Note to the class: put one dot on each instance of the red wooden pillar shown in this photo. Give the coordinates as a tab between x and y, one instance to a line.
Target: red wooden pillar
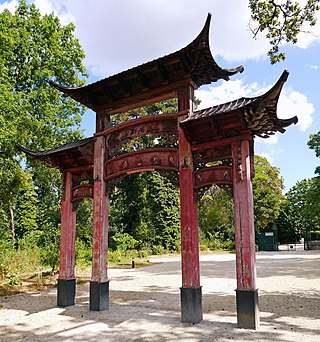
99	284
191	294
246	293
66	280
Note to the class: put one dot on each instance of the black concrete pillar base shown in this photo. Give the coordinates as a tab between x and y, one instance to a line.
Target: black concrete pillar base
191	305
99	296
66	292
248	309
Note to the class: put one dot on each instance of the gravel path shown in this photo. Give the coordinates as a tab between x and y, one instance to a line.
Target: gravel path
145	305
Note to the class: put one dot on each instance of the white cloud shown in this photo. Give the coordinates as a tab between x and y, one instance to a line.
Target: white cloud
291	103
117	35
226	91
9	5
314	67
268	156
272	140
309	34
47	7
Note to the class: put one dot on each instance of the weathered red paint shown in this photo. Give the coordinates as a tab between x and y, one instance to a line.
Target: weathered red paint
80	192
155	124
213	175
244	218
188	205
102	121
100	216
67	231
149	159
223	142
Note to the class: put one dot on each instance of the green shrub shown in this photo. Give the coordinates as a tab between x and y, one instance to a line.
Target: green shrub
157	250
13	279
20	259
83	254
124	241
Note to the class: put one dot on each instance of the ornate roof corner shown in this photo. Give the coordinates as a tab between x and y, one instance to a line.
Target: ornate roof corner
202	40
274	92
62	88
62	155
259	113
268	103
201	44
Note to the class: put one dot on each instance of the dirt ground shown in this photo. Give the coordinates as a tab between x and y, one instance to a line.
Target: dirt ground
145	304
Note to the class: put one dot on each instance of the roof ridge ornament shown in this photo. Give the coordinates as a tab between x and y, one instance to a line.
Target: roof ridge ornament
203	38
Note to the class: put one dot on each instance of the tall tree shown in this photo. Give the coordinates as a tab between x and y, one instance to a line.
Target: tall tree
146	206
314	193
33	50
267	193
281	21
216	214
301	208
314	144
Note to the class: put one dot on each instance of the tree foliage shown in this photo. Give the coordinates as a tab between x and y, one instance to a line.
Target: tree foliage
267	193
300	211
33	50
314	144
281	21
216	222
146	207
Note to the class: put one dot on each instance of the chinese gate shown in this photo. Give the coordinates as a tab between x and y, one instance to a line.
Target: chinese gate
222	135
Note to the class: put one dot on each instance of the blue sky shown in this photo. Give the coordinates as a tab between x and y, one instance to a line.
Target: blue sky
119	34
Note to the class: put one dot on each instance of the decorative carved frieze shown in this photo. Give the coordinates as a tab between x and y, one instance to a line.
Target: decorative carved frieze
212	154
212	175
159	125
144	160
81	192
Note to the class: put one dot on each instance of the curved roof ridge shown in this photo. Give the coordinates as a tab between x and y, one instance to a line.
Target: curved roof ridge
57	149
254	109
194	61
272	94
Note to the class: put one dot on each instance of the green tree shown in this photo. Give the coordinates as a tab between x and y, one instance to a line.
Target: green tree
163	211
145	206
267	193
216	223
13	180
289	229
314	144
33	50
300	214
26	210
314	193
281	21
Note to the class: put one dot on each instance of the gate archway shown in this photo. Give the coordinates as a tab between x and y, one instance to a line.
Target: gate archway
222	133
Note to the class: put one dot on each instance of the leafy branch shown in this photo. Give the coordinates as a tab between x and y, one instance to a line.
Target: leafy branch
281	22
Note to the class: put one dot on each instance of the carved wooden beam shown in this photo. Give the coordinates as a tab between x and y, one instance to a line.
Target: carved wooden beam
221	175
81	192
144	160
156	124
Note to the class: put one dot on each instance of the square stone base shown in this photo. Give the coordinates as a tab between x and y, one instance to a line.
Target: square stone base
99	296
248	309
66	292
191	305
